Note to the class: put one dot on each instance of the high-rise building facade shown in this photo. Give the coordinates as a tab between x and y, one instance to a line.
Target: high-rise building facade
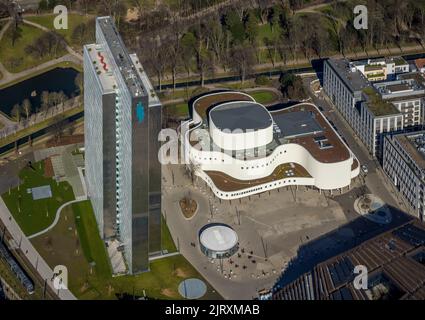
122	123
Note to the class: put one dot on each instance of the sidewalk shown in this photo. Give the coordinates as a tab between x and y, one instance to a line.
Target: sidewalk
32	255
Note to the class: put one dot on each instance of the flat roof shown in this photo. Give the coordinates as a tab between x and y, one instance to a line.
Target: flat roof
407	141
338	152
102	66
203	103
153	97
356	81
121	56
297	123
399	87
240	115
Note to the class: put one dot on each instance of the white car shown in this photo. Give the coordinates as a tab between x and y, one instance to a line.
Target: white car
364	168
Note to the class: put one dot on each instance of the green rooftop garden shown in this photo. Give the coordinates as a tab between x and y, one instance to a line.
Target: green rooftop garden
377	105
399	61
371	67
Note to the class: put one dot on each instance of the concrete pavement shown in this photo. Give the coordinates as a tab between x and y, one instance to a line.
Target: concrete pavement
271	227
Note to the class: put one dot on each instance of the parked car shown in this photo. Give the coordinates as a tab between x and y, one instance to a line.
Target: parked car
364	169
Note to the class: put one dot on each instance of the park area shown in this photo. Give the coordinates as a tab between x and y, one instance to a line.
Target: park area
35	201
80	27
18	51
75	243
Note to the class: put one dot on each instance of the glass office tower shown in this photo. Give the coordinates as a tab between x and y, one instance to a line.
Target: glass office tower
122	123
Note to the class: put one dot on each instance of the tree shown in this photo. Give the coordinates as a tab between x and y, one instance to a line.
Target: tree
274	17
79	82
242	60
16	112
251	28
216	37
292	86
174	48
157	56
263	9
235	26
16	33
26	106
45	102
61	97
188	51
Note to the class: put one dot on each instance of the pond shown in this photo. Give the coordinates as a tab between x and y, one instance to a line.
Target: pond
55	80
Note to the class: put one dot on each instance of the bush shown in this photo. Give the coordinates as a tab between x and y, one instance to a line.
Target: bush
262	81
292	86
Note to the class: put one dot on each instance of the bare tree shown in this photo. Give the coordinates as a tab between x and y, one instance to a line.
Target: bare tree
26	106
242	59
16	112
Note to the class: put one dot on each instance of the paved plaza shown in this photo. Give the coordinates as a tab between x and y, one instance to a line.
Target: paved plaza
271	227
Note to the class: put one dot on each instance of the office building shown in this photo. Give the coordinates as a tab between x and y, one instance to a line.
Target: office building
122	122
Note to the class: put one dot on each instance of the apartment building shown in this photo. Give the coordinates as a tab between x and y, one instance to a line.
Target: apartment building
375	108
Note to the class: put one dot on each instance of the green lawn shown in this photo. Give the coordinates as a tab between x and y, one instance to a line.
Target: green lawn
75	242
265	31
93	248
36	215
263	97
166	239
73	21
178	110
14	57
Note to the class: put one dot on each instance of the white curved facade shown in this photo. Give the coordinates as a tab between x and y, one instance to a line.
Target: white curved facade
322	175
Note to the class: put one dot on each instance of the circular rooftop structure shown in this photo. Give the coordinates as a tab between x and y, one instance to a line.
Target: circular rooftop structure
218	241
244	115
240	125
